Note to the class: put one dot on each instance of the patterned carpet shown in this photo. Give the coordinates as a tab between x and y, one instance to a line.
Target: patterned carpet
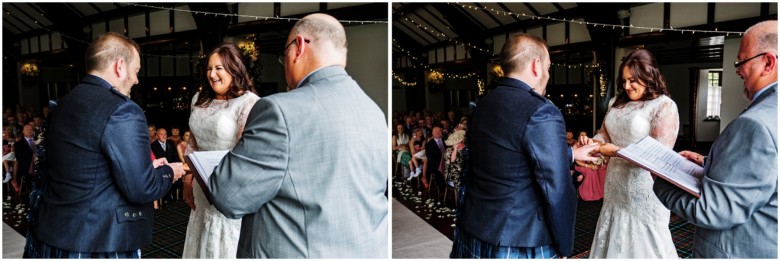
442	218
170	227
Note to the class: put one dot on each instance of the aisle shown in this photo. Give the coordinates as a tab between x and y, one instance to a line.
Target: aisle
414	238
13	243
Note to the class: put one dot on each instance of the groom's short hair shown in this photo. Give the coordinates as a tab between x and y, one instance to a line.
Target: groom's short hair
520	50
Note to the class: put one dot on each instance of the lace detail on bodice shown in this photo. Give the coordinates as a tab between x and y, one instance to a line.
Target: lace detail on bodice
633	222
219	126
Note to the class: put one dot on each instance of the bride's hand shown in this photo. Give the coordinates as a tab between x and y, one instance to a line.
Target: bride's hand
608	149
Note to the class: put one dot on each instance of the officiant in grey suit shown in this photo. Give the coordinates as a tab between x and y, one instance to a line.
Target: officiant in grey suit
309	174
736	216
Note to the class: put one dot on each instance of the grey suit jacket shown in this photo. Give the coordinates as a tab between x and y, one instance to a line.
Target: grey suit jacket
736	216
308	176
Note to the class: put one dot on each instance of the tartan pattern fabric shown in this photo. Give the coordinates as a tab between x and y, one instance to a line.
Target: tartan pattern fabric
42	250
467	246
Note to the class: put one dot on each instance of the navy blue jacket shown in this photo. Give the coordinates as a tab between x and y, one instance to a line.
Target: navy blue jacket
100	181
24	156
519	189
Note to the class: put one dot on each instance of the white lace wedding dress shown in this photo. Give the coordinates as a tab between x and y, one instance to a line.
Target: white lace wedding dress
216	127
633	223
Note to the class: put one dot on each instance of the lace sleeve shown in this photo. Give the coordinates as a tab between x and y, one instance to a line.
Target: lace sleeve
243	113
601	134
665	123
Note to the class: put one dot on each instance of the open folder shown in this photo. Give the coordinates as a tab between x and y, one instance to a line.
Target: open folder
202	164
665	163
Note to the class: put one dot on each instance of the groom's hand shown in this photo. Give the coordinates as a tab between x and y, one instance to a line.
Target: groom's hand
178	170
582	153
159	162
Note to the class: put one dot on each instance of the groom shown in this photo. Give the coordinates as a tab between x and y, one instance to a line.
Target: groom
101	182
736	215
520	201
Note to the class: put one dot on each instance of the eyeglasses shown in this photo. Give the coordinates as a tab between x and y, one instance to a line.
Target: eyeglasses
283	55
738	64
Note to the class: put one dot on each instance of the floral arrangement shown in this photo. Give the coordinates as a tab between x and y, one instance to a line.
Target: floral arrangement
436	78
497	71
495	74
250	55
29	72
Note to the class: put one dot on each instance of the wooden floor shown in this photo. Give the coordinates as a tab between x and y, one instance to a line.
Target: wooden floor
414	238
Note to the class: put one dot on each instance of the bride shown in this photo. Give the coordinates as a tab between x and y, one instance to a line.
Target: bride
216	122
633	223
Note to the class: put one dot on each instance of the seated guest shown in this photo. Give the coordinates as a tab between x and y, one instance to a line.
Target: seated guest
165	148
175	135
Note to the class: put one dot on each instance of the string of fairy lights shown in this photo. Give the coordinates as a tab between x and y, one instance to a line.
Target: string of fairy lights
519	15
440	34
256	17
417	62
189	57
402	81
603	25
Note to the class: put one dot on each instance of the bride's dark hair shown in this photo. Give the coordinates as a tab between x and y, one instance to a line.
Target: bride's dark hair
231	59
642	65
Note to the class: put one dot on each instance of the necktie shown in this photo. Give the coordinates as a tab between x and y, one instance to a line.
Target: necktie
441	149
32	162
163	145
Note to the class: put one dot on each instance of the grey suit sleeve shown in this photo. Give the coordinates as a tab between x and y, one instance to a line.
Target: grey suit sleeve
546	142
740	178
251	174
126	142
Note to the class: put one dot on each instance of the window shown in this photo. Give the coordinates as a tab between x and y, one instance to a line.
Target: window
714	81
